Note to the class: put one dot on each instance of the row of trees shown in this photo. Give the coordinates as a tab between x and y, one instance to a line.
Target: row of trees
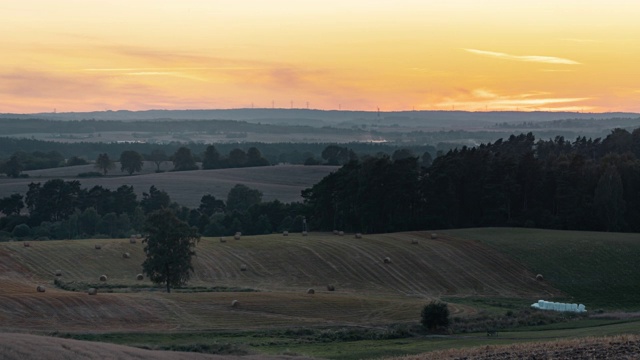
585	184
61	209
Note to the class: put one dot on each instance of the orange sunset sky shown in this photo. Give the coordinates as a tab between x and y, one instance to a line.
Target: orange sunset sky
85	55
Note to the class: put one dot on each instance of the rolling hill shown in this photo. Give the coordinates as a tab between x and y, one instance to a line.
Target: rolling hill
368	291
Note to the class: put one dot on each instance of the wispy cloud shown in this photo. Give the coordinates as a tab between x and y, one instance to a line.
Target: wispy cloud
526	58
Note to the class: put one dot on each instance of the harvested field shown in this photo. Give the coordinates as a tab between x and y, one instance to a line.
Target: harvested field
282	268
282	182
25	346
616	347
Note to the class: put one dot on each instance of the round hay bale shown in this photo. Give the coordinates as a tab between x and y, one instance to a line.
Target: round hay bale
92	291
387	260
539	277
285	233
132	239
235	303
223	240
243	267
41	288
236	237
126	255
434	235
103	278
58	272
335	232
139	277
331	288
414	241
304	233
26	244
340	233
311	291
358	236
98	246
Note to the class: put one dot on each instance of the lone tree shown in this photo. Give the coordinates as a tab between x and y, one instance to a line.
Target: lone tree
183	160
158	157
131	161
435	315
104	163
170	245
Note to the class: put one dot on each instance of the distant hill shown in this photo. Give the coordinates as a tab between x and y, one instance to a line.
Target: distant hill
320	118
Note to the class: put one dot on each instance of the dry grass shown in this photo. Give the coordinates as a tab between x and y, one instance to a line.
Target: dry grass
615	347
282	267
24	346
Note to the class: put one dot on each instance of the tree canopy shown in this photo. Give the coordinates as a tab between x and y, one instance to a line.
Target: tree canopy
169	246
131	161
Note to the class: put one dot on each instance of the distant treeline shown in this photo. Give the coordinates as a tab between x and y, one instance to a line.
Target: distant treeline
275	153
585	184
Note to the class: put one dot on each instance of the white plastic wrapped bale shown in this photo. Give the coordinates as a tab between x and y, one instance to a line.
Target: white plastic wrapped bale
554	306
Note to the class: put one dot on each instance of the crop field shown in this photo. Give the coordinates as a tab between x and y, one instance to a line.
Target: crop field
599	269
282	182
372	312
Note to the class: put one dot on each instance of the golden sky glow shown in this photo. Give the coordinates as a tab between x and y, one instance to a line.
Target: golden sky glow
84	55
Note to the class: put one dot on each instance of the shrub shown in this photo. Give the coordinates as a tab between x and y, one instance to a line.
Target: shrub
435	315
22	230
90	174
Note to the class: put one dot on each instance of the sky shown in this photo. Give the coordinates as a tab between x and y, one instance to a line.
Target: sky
475	55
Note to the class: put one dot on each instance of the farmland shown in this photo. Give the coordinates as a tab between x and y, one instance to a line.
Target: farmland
282	182
477	271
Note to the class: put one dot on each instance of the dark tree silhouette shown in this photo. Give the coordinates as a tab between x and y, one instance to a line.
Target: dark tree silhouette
131	161
104	163
169	246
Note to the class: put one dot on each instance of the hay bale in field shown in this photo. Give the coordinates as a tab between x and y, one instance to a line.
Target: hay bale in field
285	233
132	239
98	246
103	278
414	241
223	240
539	277
237	236
126	255
235	303
331	287
434	235
243	267
92	291
58	272
387	260
304	233
41	288
311	291
139	277
26	244
358	236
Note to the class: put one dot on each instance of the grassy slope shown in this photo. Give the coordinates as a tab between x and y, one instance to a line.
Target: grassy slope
600	270
368	292
282	182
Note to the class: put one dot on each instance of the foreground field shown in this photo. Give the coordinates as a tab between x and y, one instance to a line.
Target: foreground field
282	182
482	273
368	291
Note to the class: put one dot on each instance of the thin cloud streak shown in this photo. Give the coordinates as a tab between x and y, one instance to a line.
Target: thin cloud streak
525	58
